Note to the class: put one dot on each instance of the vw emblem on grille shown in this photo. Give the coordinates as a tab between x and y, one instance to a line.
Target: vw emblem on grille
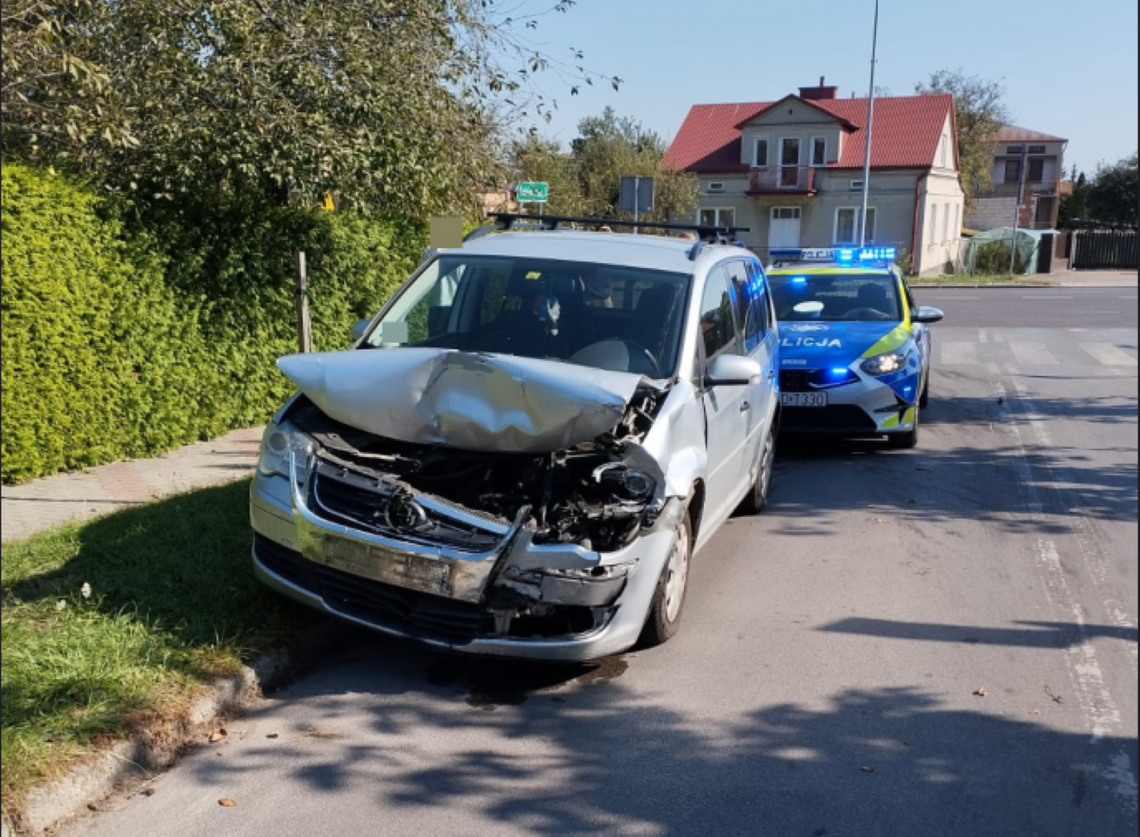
805	327
404	514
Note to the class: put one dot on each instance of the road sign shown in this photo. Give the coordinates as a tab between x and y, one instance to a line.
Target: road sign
636	195
532	192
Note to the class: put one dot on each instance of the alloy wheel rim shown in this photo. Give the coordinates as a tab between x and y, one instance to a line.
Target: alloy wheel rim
678	575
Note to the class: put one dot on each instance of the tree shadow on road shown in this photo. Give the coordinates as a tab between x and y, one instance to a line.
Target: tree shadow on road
572	752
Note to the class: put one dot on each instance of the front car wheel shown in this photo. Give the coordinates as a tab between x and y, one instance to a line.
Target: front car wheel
669	598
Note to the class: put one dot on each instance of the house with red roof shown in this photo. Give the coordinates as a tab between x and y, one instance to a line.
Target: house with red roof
792	172
1027	162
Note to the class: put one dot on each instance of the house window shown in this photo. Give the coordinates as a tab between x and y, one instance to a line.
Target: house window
760	153
1012	171
856	185
1036	171
957	228
1015	149
847	225
819	151
944	154
785	213
945	222
933	223
716	187
717	217
1036	149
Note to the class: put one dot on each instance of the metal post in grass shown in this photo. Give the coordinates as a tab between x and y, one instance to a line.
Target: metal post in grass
301	305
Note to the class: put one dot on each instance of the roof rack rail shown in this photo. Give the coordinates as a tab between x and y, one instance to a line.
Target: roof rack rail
507	221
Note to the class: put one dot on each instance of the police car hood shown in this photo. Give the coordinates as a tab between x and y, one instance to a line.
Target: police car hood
812	344
470	401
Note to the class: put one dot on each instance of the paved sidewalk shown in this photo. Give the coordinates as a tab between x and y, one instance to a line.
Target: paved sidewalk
1095	278
49	501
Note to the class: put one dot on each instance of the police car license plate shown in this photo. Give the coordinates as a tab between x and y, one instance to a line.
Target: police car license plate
803	399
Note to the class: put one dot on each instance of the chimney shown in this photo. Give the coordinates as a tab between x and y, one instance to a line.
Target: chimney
819	93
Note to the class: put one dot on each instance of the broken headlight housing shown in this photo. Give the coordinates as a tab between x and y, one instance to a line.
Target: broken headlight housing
278	442
628	483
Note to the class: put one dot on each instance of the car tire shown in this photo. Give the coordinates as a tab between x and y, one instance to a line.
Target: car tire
669	598
905	441
924	399
757	499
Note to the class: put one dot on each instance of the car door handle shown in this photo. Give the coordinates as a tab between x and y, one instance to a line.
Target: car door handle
745	406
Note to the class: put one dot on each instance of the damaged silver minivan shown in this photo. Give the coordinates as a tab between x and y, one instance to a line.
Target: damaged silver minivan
522	452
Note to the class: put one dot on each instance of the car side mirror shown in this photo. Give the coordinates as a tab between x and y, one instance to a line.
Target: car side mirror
358	329
733	371
926	314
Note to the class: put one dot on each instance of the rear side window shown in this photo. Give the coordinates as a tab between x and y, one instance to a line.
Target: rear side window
717	315
759	309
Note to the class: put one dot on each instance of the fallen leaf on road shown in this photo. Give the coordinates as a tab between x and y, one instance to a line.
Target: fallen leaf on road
1034	711
217	736
147	791
271	735
881	520
980	691
866	769
226	802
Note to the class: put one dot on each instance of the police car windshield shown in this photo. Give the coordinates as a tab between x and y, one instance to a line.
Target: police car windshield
613	317
835	296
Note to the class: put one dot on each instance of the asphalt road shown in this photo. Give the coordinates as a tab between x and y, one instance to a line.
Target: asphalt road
939	641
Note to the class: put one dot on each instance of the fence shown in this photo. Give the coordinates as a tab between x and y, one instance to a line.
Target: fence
1105	250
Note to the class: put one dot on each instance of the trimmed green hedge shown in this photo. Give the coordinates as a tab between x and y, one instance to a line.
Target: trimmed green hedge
125	335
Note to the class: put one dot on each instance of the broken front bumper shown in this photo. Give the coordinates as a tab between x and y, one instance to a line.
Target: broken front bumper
453	598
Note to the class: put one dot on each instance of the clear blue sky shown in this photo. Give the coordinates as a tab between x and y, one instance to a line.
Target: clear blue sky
1069	66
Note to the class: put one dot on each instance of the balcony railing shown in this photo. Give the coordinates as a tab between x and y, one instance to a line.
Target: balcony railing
782	180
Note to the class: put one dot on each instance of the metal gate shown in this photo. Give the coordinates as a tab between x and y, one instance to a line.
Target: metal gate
1105	250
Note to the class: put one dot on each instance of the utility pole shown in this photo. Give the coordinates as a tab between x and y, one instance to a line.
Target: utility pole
870	127
1017	209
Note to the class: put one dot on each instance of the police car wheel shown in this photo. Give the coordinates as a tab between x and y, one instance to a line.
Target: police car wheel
757	499
904	441
924	399
669	597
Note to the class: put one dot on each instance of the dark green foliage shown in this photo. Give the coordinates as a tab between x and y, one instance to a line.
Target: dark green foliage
124	340
1113	194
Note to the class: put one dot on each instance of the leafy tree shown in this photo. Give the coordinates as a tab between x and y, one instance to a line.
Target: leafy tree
535	159
1113	193
395	104
1074	206
609	147
980	112
587	181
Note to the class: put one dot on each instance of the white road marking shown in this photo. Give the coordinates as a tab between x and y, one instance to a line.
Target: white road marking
1095	701
960	354
1109	354
1045	296
1033	354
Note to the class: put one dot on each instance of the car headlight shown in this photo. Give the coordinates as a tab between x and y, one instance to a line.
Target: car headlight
278	441
632	483
888	362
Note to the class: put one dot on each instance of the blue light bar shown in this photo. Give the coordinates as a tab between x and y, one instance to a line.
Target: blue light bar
799	280
843	255
878	254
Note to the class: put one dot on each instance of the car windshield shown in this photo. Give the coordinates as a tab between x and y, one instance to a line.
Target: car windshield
835	296
612	317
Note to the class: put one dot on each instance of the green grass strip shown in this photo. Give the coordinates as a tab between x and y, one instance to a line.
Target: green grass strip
171	603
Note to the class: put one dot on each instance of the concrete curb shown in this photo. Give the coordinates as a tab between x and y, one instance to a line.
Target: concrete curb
152	750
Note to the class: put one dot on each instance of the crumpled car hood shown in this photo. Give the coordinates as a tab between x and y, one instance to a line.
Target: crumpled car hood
480	402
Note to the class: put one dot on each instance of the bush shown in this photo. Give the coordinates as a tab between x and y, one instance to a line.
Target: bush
127	333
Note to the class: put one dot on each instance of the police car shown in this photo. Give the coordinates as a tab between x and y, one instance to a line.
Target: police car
854	346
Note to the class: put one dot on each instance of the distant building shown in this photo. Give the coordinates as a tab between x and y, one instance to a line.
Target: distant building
792	171
1044	183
